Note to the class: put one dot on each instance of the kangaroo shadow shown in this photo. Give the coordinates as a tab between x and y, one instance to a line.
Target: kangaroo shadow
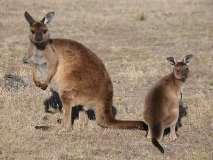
54	102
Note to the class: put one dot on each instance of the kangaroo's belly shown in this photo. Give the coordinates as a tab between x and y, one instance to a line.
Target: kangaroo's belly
42	71
172	117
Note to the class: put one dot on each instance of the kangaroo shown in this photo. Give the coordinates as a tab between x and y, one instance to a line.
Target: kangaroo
161	106
80	76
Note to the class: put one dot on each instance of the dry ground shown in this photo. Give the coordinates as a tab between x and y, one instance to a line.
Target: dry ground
134	51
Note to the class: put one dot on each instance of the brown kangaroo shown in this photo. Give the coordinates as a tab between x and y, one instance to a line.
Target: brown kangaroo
161	108
78	74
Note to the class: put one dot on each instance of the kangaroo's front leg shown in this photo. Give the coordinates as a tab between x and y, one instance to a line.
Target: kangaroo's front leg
51	70
67	98
37	82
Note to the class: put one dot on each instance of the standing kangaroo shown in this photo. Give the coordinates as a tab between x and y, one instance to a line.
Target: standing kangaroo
161	108
80	76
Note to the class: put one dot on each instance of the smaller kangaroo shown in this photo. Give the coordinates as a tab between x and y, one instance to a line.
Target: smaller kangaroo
161	106
78	74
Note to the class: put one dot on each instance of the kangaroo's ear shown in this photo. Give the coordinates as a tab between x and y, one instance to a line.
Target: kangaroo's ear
29	18
171	60
48	18
187	58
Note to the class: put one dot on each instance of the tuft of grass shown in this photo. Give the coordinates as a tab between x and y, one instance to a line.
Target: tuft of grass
211	83
141	17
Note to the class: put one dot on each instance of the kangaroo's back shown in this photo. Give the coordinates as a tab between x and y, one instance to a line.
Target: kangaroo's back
80	69
73	52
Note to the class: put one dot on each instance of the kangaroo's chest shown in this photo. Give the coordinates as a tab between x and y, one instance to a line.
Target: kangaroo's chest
39	60
38	57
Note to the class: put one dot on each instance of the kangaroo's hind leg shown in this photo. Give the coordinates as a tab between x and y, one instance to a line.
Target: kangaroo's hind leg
104	115
68	101
173	135
157	134
148	134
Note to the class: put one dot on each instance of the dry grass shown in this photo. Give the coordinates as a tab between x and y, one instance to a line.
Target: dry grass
134	52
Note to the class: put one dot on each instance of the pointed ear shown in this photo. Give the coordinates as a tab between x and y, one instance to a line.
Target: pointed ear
48	18
29	18
171	60
187	58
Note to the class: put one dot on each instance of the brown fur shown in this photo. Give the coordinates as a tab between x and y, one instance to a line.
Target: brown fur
161	108
80	77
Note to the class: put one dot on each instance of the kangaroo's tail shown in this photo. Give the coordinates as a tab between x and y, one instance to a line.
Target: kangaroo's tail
119	124
156	132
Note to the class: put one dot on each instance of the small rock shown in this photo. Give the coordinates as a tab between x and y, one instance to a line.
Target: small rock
44	128
12	81
59	121
45	118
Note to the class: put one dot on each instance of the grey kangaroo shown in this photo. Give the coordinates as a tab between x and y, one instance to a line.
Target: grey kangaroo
161	106
80	76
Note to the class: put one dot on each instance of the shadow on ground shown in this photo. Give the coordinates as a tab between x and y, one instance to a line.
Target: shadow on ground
54	102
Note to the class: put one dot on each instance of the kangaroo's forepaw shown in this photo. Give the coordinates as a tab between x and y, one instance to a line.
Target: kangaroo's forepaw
41	85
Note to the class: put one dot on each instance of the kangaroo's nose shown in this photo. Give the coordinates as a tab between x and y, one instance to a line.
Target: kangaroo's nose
38	36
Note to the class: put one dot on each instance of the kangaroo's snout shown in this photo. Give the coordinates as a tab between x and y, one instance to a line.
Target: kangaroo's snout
39	37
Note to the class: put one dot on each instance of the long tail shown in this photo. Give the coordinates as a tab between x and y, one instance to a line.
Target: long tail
157	144
156	132
106	119
118	124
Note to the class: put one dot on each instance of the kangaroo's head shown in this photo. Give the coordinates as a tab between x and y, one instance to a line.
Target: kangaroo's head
39	36
181	69
39	31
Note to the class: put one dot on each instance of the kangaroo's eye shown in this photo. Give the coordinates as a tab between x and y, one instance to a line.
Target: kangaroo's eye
32	29
185	67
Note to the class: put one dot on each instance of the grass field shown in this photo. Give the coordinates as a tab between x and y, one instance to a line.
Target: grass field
133	38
